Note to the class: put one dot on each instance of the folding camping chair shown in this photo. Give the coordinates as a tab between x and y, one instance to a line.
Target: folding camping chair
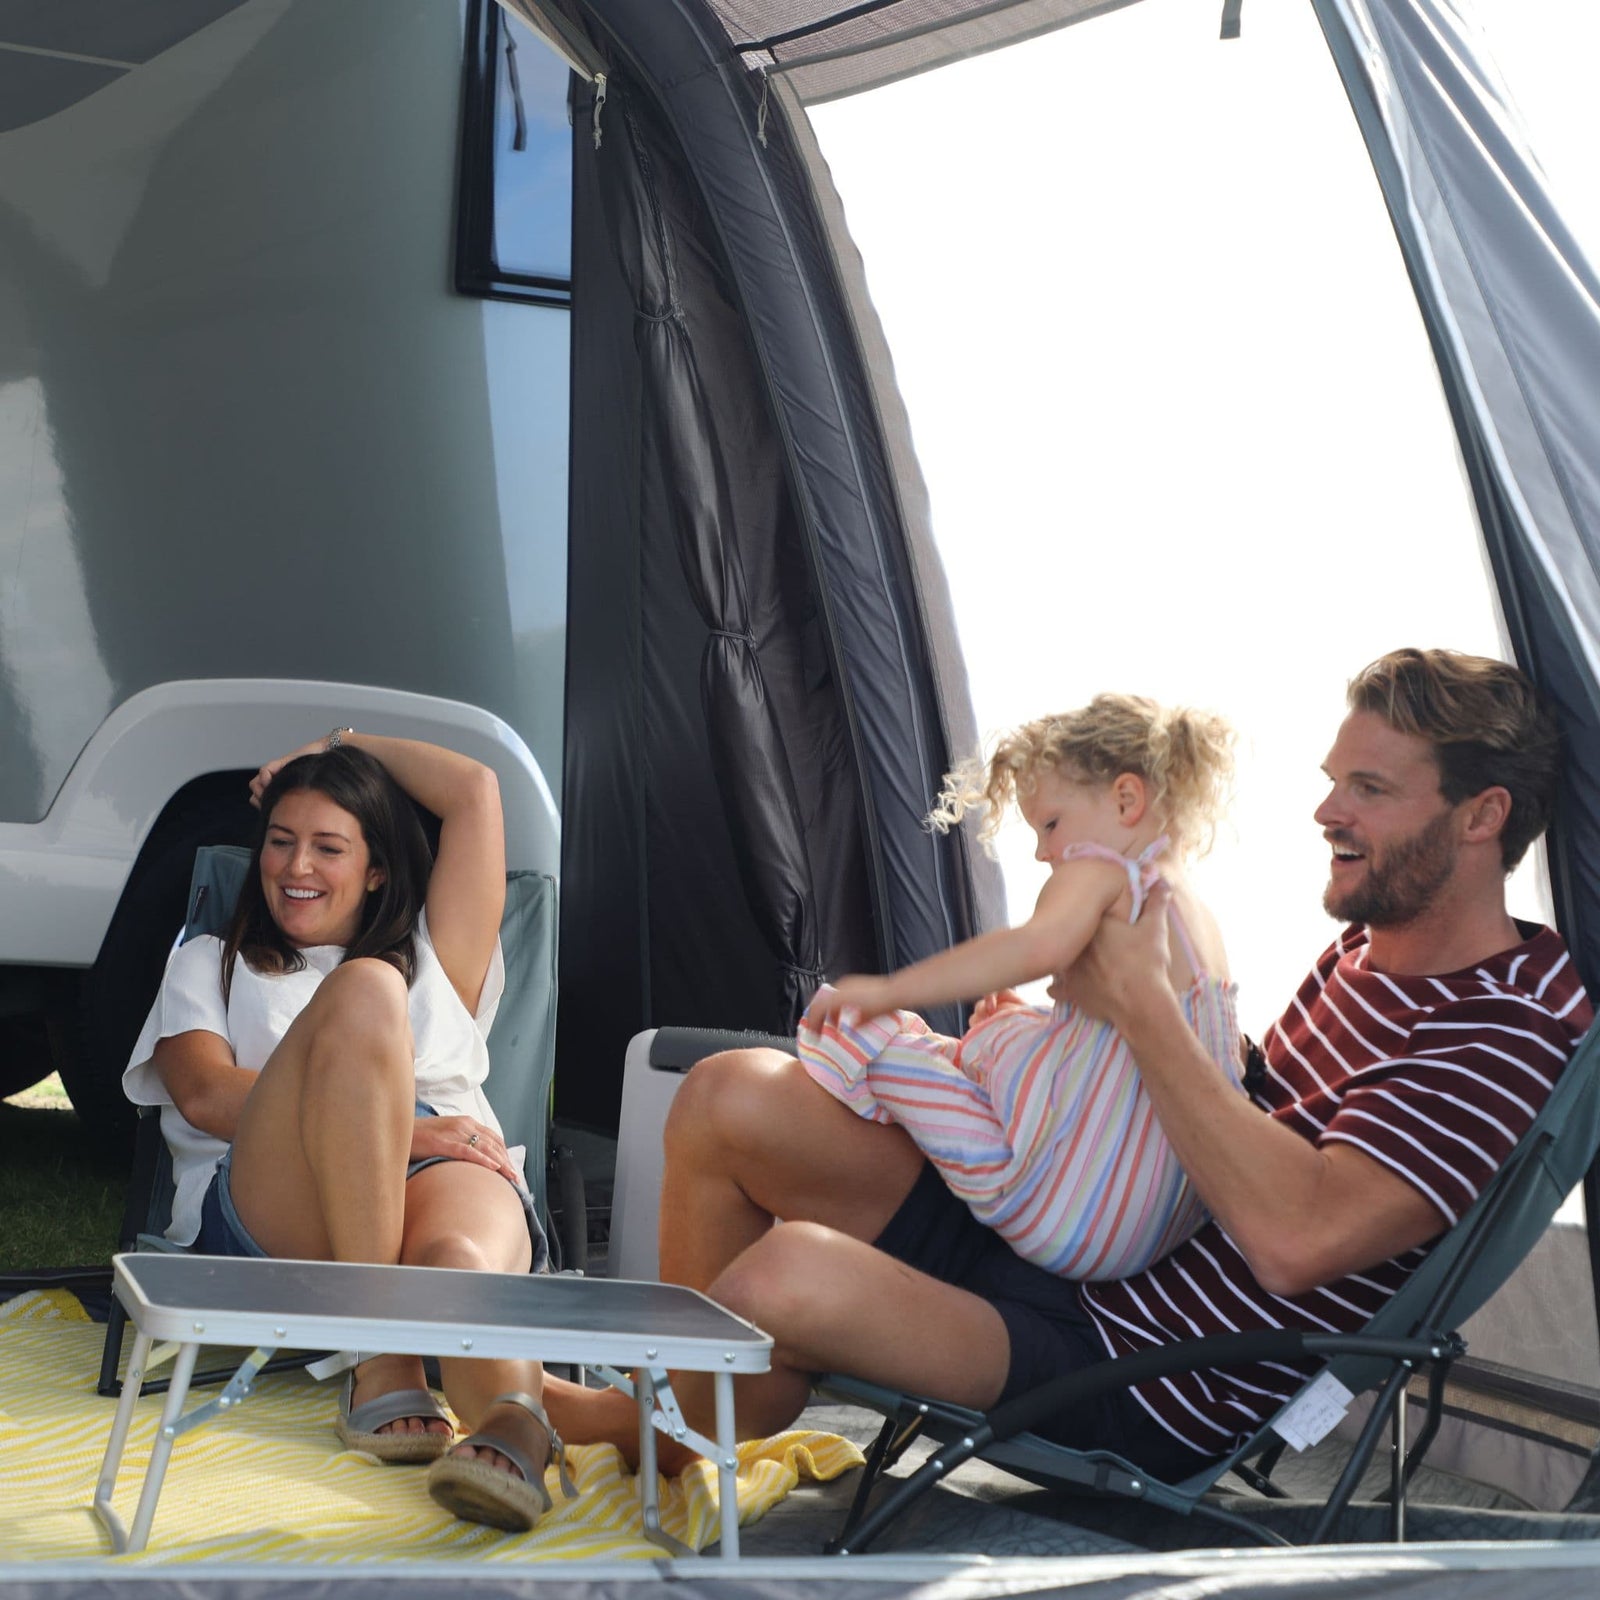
521	1066
1415	1327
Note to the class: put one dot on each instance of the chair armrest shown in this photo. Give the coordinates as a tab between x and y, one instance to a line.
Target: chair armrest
679	1048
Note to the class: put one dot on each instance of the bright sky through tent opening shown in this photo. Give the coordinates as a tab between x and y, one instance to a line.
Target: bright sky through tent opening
1173	399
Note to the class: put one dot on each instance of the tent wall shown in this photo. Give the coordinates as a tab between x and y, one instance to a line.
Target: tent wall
728	452
1512	309
661	922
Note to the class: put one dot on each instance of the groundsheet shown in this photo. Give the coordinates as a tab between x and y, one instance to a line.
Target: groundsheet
269	1482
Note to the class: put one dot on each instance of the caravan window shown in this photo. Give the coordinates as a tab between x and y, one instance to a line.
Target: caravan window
514	223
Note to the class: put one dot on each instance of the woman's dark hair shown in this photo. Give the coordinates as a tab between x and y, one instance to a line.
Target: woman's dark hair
357	783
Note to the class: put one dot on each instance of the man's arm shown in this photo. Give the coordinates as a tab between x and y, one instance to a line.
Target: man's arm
1301	1215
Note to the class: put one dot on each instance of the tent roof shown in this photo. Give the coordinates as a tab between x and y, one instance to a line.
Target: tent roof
832	49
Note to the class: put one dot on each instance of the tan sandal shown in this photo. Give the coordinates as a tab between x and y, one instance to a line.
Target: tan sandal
477	1492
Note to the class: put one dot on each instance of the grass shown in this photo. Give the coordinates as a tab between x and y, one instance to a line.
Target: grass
58	1206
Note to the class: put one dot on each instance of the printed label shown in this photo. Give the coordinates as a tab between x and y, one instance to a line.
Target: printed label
1314	1413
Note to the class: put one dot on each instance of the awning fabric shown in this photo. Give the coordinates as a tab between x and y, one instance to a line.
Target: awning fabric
831	50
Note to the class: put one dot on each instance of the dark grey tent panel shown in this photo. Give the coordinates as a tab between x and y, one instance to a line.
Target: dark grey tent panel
692	819
755	722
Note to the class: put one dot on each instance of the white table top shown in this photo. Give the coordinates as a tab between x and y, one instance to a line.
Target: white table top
433	1311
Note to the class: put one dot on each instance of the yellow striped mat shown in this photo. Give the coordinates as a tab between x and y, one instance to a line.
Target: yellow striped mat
269	1482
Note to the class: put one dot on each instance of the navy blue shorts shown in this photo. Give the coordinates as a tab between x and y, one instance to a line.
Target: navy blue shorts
1050	1332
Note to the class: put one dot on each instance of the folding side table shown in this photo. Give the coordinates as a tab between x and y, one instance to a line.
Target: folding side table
190	1301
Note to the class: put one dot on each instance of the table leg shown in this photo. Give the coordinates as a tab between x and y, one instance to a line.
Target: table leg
182	1371
644	1389
649	1495
112	1463
727	1466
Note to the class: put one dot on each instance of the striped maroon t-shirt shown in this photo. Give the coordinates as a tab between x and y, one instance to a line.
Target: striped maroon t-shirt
1437	1078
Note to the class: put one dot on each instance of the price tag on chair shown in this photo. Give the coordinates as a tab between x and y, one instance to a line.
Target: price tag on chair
1313	1413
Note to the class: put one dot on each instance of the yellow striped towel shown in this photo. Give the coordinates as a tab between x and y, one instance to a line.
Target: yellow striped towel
269	1482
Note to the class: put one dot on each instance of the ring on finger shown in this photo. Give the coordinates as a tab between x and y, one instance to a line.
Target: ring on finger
472	1142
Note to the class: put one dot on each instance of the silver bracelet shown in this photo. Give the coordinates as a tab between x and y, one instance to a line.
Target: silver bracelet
336	738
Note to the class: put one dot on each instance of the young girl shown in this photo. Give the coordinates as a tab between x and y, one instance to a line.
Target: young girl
1036	1118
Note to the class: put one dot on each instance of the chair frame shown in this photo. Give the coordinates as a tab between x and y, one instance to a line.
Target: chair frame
1416	1328
148	1205
144	1216
1456	1279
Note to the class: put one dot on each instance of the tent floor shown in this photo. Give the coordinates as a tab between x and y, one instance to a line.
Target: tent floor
981	1509
983	1535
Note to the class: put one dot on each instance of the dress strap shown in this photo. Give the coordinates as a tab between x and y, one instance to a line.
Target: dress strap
1179	927
1143	872
1142	869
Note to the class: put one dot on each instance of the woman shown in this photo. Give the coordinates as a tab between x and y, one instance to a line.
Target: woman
320	1075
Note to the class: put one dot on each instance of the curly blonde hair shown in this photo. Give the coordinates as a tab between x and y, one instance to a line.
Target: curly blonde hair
1184	756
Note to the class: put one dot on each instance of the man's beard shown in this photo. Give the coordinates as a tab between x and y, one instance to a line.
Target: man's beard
1400	884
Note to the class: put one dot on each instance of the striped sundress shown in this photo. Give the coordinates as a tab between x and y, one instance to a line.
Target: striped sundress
1037	1118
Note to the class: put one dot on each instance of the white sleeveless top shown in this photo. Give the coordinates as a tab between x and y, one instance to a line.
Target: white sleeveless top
452	1051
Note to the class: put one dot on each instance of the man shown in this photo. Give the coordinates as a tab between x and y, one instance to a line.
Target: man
1406	1068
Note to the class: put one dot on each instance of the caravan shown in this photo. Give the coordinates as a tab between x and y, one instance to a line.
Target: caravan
283	446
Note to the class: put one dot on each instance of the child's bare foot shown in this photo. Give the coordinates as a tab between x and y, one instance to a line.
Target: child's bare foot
991	1005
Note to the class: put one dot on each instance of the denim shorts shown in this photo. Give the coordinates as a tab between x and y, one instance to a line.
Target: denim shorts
223	1233
1049	1330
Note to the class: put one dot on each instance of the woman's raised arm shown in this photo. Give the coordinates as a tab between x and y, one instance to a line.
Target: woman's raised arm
467	892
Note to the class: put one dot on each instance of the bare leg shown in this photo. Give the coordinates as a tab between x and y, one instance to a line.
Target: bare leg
319	1158
319	1171
468	1217
831	1303
834	1304
750	1138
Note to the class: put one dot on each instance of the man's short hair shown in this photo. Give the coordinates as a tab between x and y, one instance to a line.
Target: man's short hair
1487	726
